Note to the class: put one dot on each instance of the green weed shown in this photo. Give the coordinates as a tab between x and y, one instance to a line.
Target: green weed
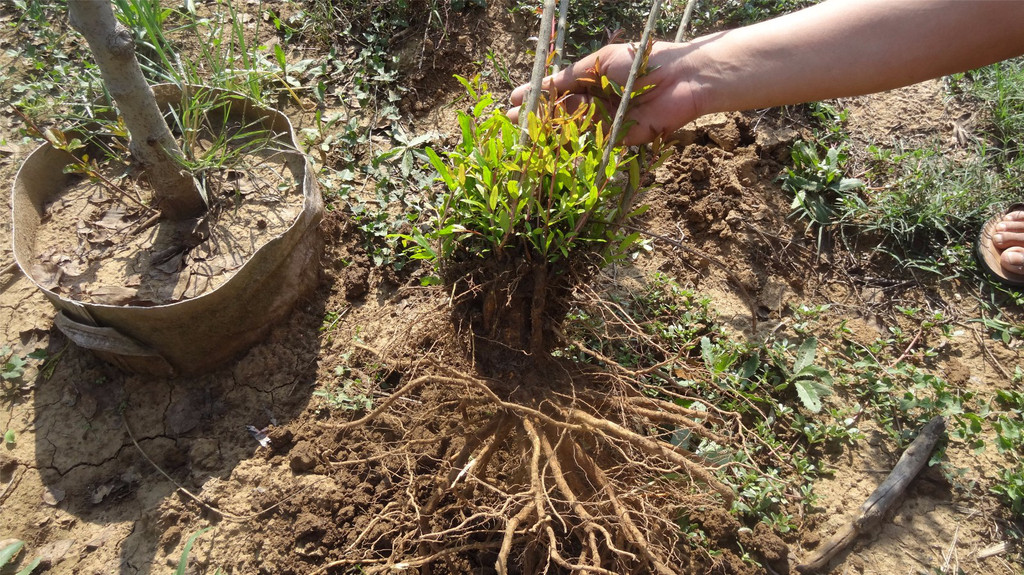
811	382
900	395
926	205
805	317
227	53
819	186
331	319
146	19
831	123
8	554
369	164
1001	329
46	75
998	87
13	366
925	202
1009	487
673	337
187	550
351	394
1009	427
213	140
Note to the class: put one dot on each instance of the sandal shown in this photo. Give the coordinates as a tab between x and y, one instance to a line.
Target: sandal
988	255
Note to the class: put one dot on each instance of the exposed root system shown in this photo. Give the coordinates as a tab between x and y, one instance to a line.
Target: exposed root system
574	477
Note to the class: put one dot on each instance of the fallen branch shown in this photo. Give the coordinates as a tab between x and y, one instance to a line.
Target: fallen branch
883	498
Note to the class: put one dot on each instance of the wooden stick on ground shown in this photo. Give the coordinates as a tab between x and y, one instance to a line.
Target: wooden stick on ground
883	498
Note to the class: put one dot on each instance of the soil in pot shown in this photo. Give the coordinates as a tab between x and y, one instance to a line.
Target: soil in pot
95	245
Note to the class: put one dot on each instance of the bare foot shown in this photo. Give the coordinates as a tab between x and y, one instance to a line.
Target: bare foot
1009	239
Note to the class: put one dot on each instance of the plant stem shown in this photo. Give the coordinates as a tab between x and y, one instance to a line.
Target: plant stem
538	305
685	22
540	61
627	90
563	17
175	191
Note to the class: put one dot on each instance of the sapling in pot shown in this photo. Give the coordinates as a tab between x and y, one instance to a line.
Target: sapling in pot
175	191
183	280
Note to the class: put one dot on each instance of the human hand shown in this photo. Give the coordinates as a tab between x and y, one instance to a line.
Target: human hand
666	107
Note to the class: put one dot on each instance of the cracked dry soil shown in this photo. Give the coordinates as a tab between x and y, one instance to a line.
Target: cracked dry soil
112	472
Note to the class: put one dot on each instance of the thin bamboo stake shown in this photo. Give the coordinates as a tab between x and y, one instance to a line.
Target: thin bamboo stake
685	22
627	90
540	62
563	17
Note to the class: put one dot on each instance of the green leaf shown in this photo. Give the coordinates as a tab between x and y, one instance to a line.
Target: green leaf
503	222
628	241
10	438
832	157
816	372
639	211
707	352
480	106
30	567
282	61
466	123
810	393
468	85
385	156
441	168
512	188
407	164
805	354
10	552
183	563
847	184
750	366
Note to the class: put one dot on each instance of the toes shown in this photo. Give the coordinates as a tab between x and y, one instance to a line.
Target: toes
1010	225
1008	239
1012	260
1017	216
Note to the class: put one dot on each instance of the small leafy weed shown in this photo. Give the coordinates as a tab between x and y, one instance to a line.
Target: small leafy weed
818	185
351	394
12	371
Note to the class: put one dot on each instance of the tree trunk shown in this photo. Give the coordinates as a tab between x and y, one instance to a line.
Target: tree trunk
176	193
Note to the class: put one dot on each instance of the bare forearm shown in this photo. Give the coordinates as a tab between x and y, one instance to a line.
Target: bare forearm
850	47
834	49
